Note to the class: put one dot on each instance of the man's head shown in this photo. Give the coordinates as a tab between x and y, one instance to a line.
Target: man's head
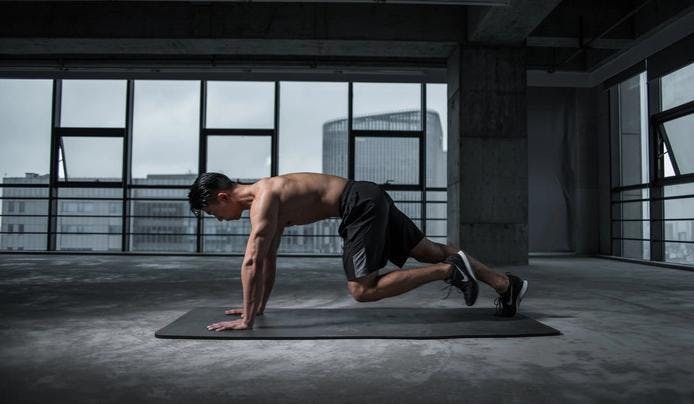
212	193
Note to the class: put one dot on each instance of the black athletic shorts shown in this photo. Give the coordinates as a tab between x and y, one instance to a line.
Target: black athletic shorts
373	229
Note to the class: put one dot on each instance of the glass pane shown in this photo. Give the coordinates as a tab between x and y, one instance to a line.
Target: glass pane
387	160
436	215
91	159
308	141
437	135
630	195
680	133
246	158
387	106
165	131
240	104
335	145
89	224
678	190
631	229
164	224
679	230
631	211
677	87
23	224
100	193
409	203
682	253
314	238
635	249
93	103
633	133
25	130
679	208
228	236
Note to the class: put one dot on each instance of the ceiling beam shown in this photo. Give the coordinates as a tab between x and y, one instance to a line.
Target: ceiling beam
569	42
507	25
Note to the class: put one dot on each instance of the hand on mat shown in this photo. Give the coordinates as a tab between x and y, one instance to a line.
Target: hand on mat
240	311
239	324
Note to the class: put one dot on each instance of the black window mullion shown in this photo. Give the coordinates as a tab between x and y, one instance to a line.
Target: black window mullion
274	149
53	170
350	134
127	164
202	157
423	157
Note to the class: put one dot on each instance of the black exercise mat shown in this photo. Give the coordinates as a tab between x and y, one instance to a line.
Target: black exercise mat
372	322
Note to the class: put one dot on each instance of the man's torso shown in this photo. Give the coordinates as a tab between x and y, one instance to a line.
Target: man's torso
304	197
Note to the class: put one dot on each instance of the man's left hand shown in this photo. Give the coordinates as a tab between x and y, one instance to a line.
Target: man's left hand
239	324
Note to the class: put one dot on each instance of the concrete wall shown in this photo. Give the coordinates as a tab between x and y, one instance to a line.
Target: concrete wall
487	153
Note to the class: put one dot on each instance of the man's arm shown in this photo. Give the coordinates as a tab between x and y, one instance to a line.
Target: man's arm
270	269
263	215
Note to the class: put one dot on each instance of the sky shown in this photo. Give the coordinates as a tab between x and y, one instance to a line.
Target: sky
166	121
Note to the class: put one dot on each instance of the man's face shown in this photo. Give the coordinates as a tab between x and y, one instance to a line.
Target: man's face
224	208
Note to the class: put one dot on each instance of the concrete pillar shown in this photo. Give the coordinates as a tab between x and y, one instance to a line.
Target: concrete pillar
487	153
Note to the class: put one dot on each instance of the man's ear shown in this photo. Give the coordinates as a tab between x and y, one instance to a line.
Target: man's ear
222	196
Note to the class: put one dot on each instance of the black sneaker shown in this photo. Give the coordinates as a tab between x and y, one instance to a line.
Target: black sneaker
463	277
508	302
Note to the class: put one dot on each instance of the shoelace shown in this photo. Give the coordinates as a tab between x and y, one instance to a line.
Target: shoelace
499	304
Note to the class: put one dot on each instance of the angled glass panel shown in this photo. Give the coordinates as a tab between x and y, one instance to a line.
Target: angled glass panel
633	133
309	138
677	87
437	135
91	159
166	124
387	160
93	103
25	131
680	136
246	158
387	106
240	105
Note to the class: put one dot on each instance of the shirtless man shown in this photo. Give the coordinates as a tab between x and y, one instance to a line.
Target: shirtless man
373	229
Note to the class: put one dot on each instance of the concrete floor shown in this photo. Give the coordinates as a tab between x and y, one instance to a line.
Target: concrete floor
81	329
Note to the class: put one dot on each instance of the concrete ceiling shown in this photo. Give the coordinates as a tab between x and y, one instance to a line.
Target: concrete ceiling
560	35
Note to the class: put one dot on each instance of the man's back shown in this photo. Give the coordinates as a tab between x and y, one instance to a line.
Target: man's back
304	197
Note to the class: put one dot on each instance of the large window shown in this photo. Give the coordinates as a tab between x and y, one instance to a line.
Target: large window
653	167
105	165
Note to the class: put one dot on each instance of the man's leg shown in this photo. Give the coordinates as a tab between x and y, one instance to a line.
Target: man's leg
373	287
429	252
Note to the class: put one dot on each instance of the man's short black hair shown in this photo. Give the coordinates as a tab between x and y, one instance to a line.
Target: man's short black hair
204	190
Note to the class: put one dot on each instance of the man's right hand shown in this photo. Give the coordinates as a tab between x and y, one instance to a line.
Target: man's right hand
240	311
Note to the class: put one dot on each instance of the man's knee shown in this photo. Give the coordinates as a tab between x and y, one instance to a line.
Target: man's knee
361	293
